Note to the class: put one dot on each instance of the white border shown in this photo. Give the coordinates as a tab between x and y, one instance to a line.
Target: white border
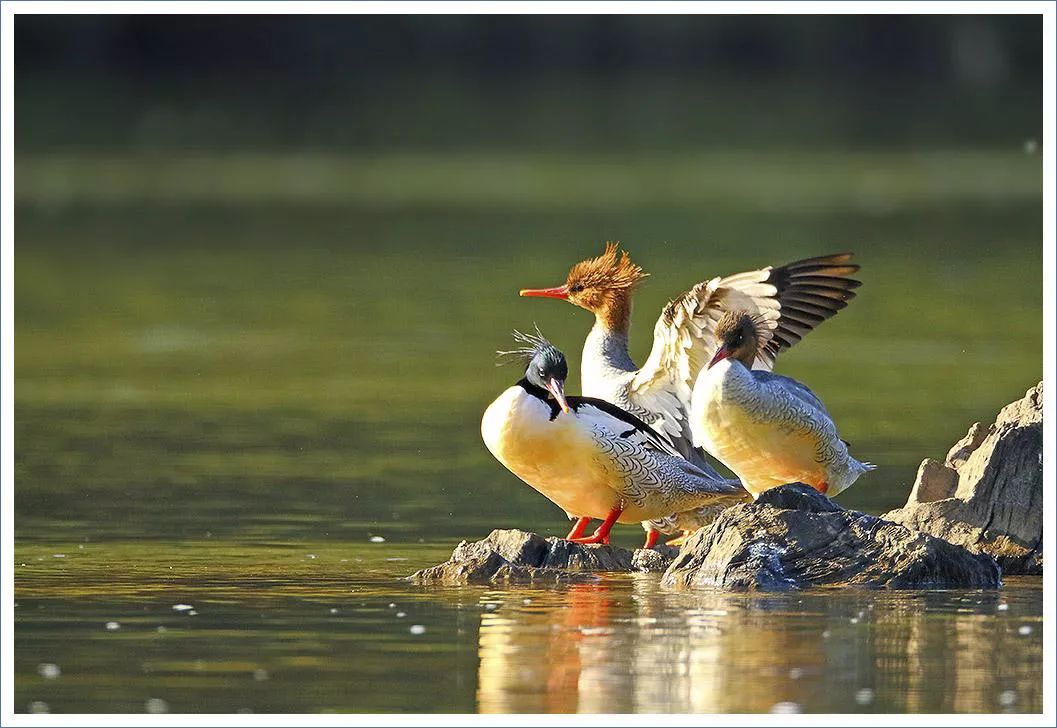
7	12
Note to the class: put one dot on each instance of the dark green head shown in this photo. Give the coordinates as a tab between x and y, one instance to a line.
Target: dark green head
547	368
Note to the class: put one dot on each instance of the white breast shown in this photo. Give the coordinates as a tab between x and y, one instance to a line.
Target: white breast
732	419
555	456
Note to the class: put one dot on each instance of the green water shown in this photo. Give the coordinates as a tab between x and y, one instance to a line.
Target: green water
219	404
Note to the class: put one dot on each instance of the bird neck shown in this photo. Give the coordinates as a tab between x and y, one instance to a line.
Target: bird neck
614	315
746	357
747	354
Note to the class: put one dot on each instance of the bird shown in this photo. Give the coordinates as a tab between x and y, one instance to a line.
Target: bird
591	458
767	428
798	296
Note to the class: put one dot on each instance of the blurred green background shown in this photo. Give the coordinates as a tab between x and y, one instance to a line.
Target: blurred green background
263	265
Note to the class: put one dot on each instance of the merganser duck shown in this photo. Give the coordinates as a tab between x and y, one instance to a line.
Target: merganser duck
768	429
797	296
588	456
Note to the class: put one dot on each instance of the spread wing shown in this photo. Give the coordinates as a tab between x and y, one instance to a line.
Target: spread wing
789	301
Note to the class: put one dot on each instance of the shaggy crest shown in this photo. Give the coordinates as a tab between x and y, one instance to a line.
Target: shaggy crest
532	345
732	321
605	271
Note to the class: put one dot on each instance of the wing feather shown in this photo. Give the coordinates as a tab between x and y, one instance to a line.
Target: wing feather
788	301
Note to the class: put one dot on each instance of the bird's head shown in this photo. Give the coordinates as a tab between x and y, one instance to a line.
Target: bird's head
738	333
592	284
546	368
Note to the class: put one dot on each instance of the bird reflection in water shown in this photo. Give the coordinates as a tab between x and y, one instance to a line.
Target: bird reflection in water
604	648
622	644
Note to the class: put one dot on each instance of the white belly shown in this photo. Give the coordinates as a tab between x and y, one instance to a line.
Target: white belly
556	457
763	454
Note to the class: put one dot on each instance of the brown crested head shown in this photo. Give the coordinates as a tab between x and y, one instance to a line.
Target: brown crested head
602	285
592	282
738	333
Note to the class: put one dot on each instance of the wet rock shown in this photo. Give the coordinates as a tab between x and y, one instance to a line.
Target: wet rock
656	559
793	537
987	494
519	556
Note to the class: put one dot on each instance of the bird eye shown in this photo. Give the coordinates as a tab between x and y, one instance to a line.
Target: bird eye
542	373
576	288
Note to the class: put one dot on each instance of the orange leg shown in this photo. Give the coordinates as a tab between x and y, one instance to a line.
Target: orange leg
652	537
578	528
601	534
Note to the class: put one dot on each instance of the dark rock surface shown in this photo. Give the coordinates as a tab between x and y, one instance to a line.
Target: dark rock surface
519	556
987	494
794	537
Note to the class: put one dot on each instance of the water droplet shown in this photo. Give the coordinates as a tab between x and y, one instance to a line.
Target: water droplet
58	556
376	539
113	626
854	620
490	607
192	613
417	629
401	615
825	634
392	605
48	670
785	707
333	610
39	706
864	696
260	675
156	706
1024	630
311	556
161	629
182	607
796	673
1007	698
526	600
1003	607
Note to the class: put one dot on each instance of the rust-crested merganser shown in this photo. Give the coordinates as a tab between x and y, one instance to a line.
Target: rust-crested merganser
588	456
769	429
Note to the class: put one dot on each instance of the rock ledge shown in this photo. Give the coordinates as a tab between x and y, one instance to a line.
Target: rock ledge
519	556
793	537
987	494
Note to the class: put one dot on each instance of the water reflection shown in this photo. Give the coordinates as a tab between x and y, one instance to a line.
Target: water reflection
619	647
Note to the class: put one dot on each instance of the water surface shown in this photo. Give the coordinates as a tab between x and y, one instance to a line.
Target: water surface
328	626
219	405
